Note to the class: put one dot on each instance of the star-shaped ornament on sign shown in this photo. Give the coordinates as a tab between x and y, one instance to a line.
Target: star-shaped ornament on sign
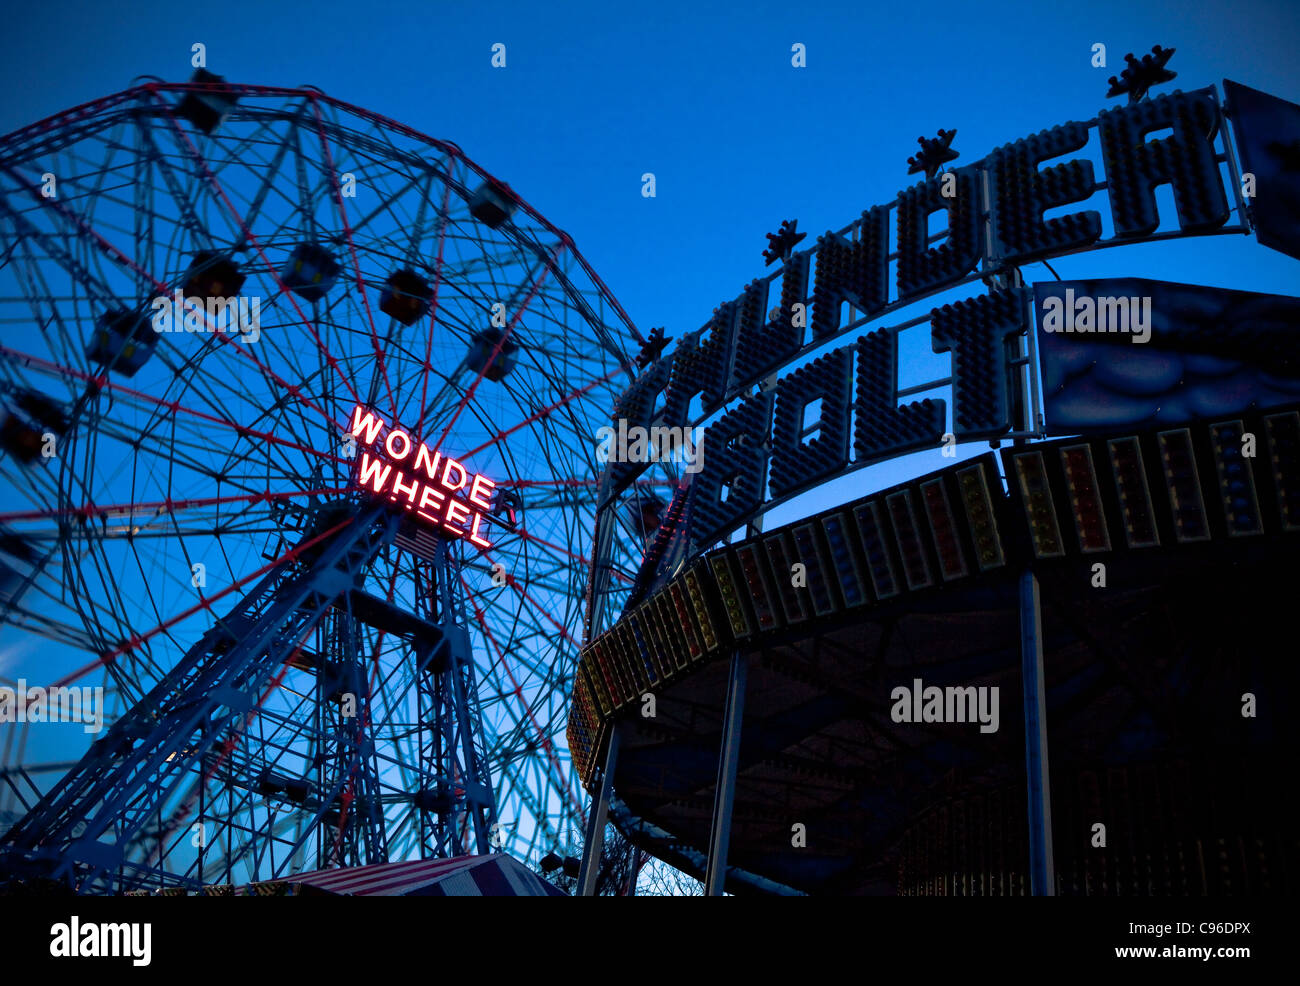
935	153
782	242
652	348
1140	76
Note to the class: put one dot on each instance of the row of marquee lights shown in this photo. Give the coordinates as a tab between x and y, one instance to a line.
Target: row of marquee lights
743	347
433	488
1100	497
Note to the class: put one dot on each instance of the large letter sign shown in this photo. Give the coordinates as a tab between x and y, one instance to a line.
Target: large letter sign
435	489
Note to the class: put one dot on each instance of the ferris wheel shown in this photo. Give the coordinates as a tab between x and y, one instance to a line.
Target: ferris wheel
205	290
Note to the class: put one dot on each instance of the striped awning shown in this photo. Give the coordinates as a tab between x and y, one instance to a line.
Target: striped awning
496	875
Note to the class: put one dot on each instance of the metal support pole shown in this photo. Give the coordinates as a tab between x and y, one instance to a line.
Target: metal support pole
1244	212
715	877
1042	867
596	818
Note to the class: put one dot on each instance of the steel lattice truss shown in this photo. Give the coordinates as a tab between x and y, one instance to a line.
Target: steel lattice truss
221	449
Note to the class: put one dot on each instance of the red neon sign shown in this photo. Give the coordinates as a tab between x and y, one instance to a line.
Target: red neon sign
434	488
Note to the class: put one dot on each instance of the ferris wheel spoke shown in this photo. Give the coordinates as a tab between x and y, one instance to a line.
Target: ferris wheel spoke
283	289
27	233
542	737
19	616
183	202
267	175
97	614
545	412
108	249
557	551
93	510
493	355
133	644
433	304
352	249
386	202
159	404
